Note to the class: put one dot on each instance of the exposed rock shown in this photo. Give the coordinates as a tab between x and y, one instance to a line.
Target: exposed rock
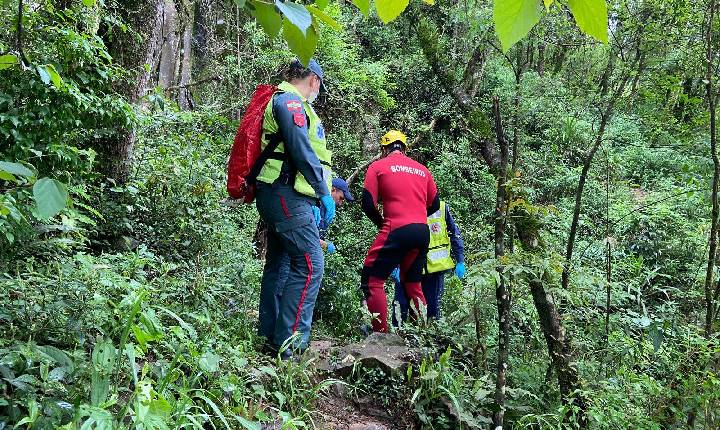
380	350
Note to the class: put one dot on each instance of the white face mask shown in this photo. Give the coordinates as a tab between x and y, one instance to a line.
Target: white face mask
312	97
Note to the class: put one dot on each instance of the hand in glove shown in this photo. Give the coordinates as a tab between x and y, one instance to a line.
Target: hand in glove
395	274
329	204
316	214
331	248
460	270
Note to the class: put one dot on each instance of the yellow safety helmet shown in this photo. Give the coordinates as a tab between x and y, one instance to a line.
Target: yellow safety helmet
393	136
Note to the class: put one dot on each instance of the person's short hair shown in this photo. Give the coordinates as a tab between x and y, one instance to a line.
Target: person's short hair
296	71
396	146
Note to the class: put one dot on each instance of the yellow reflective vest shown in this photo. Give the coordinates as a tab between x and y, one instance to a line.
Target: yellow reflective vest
439	258
272	168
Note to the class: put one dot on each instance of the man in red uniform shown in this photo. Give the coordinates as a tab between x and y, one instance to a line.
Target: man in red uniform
408	194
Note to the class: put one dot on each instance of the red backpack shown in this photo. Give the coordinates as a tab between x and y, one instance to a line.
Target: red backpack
246	157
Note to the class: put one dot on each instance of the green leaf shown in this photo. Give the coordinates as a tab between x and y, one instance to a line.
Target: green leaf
7	61
592	17
322	16
363	6
48	73
548	3
50	197
295	13
5	176
55	76
514	19
16	169
240	3
44	75
302	45
388	10
89	3
322	4
268	17
209	362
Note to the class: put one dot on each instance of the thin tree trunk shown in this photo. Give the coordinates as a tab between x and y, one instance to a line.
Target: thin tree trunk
541	60
578	199
608	248
501	293
711	100
605	116
184	95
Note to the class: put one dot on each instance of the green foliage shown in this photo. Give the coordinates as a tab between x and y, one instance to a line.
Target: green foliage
134	305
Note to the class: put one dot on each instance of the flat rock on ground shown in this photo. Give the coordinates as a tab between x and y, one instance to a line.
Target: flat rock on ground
385	351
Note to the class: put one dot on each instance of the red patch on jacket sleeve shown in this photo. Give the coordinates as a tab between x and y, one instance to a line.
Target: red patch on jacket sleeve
299	119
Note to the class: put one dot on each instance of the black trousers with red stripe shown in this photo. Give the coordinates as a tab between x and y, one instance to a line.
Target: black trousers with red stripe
292	234
404	246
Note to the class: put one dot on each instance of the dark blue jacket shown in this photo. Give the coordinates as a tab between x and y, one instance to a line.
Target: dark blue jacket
297	143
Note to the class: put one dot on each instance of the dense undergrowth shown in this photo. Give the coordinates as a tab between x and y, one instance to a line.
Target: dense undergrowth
135	306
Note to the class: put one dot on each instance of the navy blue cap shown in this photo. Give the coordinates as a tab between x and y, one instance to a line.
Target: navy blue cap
314	67
341	185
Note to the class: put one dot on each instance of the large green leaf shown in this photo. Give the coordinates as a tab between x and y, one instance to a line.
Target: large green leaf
322	4
50	197
388	10
514	19
302	45
7	60
325	18
268	17
295	13
16	169
363	5
48	73
592	17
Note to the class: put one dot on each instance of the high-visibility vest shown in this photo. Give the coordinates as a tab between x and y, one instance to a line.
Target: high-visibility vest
438	257
316	133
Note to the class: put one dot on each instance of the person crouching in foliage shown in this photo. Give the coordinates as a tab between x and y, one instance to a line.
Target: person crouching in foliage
446	252
408	195
289	186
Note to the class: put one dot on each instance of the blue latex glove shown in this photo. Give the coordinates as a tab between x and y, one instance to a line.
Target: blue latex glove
316	214
460	270
396	274
329	204
331	247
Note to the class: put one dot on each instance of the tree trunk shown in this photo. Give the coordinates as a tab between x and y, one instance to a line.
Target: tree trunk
712	110
184	95
560	352
502	295
168	53
605	116
540	68
145	17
